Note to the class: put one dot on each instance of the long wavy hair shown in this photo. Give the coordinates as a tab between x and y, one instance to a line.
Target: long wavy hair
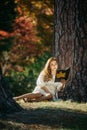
47	70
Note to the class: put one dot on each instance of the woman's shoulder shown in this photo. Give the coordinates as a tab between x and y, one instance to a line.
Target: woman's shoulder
42	73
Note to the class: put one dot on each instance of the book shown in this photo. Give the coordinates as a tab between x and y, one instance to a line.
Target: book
62	74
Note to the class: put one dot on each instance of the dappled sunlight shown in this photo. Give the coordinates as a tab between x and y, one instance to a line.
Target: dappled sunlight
48	115
31	31
71	106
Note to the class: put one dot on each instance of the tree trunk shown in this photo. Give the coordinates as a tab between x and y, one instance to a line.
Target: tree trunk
7	104
70	45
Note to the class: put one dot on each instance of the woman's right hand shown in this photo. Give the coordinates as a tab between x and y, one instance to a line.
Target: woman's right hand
63	81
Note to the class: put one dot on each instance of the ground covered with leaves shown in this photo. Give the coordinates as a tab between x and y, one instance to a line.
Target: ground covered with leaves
59	115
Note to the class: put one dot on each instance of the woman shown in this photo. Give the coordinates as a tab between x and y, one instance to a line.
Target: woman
46	87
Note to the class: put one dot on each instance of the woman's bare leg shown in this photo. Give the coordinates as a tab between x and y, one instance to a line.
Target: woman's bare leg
36	96
28	95
47	97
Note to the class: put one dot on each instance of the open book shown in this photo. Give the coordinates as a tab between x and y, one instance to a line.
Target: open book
62	74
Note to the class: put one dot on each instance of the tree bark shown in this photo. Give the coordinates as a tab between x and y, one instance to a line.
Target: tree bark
70	45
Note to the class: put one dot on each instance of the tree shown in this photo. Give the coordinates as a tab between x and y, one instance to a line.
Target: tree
70	45
25	45
42	14
32	31
7	104
7	16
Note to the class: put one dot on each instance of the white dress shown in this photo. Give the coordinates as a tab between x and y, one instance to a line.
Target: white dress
51	85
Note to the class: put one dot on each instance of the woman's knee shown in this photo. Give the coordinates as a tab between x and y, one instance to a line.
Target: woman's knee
49	95
39	94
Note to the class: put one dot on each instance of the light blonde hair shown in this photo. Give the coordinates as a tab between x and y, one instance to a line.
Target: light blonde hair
47	70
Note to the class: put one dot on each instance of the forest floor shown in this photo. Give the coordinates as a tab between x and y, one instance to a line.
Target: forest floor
59	115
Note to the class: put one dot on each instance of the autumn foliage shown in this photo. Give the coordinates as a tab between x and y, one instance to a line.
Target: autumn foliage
25	39
30	31
4	34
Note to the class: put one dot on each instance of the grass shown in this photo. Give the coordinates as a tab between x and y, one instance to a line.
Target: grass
59	115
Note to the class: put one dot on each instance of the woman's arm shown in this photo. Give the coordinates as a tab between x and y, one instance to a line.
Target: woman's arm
40	80
63	82
41	83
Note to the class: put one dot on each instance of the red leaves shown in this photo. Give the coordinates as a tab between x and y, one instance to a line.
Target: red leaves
25	28
4	34
26	39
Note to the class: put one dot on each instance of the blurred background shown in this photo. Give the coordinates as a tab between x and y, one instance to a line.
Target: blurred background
26	38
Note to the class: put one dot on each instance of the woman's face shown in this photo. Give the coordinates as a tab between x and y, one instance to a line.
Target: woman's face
53	66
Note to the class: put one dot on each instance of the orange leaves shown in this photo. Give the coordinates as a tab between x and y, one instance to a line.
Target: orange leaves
26	39
25	29
4	34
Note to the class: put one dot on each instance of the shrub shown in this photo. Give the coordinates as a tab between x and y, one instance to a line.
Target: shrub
24	82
